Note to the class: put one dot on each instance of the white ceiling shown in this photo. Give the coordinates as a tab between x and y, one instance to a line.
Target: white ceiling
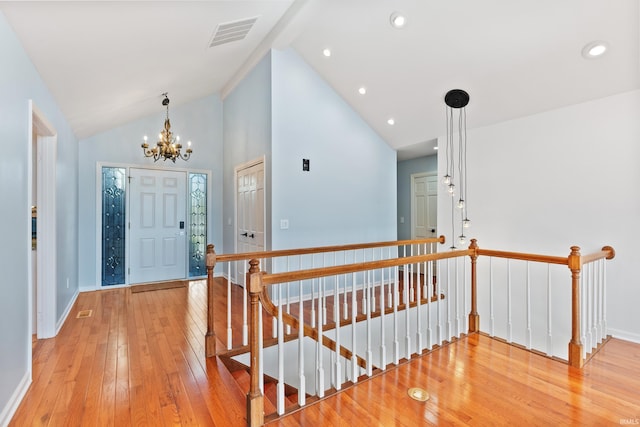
107	63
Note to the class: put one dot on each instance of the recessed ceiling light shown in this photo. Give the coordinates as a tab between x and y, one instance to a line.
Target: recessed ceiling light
362	90
326	52
595	49
435	148
391	121
398	20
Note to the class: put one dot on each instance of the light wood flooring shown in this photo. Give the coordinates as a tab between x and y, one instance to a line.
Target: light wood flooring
139	360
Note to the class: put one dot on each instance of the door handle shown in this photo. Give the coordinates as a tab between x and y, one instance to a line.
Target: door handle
245	234
252	235
433	230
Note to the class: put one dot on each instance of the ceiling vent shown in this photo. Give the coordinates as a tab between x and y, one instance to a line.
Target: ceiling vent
232	31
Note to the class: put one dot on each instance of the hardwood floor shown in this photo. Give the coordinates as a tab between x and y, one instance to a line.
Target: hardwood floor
139	360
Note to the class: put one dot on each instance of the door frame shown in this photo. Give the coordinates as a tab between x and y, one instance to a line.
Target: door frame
46	271
414	176
236	170
98	217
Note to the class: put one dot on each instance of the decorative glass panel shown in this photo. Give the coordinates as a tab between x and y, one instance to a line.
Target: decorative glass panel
197	224
113	225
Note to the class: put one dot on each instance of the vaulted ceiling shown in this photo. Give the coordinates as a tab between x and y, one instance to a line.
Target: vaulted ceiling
107	63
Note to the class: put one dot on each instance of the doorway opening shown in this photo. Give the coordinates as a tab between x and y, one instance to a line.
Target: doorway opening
42	222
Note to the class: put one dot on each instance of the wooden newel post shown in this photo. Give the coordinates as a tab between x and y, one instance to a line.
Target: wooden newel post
210	337
575	345
255	399
474	317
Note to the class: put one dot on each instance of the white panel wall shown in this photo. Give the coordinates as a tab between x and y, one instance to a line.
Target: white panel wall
565	177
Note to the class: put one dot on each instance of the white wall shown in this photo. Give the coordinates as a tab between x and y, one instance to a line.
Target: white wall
20	82
349	194
565	177
247	136
199	121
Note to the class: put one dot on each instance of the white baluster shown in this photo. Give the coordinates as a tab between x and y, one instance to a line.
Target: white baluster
280	334
427	292
302	389
456	301
319	347
261	352
449	333
364	293
229	328
383	349
528	308
604	300
369	352
288	294
354	314
337	378
439	302
418	315
509	325
407	319
594	305
389	288
245	325
549	311
491	316
396	296
345	305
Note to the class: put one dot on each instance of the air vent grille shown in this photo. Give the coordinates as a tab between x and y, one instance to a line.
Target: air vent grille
232	31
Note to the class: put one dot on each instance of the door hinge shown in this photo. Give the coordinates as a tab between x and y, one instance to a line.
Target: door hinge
129	226
129	178
129	271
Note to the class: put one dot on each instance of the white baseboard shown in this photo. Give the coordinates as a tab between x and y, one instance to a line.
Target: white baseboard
17	396
67	310
624	335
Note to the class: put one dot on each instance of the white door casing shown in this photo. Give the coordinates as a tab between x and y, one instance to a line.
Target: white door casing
157	230
250	210
46	273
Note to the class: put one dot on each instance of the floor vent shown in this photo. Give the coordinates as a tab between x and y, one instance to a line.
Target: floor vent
232	31
84	313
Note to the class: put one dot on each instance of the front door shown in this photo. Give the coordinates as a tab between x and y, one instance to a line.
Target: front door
158	211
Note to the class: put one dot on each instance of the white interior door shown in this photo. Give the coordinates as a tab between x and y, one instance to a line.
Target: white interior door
424	196
157	222
250	210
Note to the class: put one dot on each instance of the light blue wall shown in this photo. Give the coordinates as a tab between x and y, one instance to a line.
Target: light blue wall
199	121
247	136
406	168
19	82
349	195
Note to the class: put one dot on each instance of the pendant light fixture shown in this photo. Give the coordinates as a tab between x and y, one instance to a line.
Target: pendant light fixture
456	100
168	147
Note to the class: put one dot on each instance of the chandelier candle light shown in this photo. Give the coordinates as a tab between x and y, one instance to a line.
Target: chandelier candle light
457	100
168	147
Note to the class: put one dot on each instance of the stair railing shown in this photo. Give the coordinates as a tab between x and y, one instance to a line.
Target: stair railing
530	279
366	322
234	268
445	320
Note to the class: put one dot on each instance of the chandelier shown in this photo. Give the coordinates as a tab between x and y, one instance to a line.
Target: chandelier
168	147
457	100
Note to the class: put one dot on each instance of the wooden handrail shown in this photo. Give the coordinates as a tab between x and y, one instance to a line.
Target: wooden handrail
323	249
523	256
607	252
294	276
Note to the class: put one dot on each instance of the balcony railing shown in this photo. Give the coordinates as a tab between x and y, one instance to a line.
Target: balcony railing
343	313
